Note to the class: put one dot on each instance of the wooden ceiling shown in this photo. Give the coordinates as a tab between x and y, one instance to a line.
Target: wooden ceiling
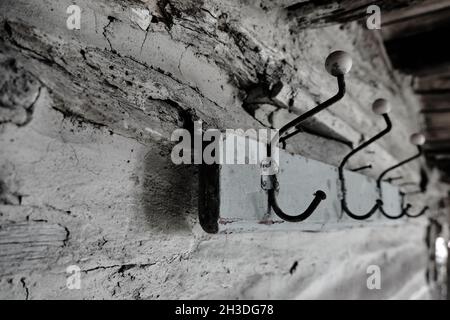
417	40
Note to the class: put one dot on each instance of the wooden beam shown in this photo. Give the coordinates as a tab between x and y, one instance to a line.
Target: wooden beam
424	22
435	102
439	83
437	135
433	70
440	110
431	151
438	120
435	144
326	12
414	10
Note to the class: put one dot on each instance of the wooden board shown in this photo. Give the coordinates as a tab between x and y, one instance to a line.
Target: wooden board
232	200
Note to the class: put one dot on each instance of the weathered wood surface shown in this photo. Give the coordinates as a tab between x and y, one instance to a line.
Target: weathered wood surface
85	149
403	27
212	66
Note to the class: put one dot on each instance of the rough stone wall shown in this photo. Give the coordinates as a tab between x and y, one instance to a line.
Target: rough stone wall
85	171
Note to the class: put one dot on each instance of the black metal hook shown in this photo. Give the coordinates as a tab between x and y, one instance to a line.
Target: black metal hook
337	64
380	107
403	212
408	206
418	140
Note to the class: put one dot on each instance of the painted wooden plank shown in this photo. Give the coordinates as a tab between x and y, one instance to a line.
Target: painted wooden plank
238	202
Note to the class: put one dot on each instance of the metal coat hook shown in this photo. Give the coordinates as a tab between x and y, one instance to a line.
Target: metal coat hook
337	64
380	107
418	140
398	216
408	206
422	184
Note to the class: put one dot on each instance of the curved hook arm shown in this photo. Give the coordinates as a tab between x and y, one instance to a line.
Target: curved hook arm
408	206
342	178
419	148
389	216
319	195
405	209
422	212
308	114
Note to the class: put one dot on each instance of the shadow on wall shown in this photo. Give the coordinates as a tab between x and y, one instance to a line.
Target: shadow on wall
168	193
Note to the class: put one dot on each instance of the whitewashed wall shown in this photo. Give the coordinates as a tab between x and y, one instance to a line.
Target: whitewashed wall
85	171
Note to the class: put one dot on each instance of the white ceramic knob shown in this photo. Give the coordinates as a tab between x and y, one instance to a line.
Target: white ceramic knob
417	139
338	63
381	106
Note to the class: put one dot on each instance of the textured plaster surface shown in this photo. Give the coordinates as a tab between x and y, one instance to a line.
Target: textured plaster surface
85	171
